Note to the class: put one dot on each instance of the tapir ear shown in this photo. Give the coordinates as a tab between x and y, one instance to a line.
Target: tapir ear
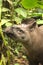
28	21
32	25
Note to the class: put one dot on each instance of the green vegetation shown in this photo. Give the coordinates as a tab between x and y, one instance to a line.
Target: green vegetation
11	12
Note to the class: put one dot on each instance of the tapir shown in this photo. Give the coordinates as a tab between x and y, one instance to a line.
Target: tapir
31	36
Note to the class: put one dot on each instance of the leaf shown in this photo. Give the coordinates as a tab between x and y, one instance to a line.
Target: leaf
10	2
16	51
40	4
28	4
21	11
1	62
24	56
0	13
39	21
8	24
5	9
0	8
3	21
16	64
18	20
0	3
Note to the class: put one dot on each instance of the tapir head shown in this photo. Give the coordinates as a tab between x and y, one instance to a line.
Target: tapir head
21	32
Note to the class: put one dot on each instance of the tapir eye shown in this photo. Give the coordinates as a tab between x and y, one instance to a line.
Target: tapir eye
19	30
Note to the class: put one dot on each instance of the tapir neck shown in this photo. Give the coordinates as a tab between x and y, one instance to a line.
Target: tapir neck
36	39
34	43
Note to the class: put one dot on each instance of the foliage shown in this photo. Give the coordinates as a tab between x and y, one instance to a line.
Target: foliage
28	4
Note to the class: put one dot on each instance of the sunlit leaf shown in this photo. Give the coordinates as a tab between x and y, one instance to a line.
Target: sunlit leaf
24	56
3	21
10	2
5	9
0	8
16	51
0	2
18	20
16	64
21	11
28	4
8	24
39	21
1	62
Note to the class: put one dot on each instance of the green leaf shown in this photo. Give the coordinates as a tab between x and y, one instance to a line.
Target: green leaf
8	24
3	21
0	8
40	4
1	62
16	51
39	21
21	11
0	13
24	56
28	4
18	20
0	3
5	9
16	64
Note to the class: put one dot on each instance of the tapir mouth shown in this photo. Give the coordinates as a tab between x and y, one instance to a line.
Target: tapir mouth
9	34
